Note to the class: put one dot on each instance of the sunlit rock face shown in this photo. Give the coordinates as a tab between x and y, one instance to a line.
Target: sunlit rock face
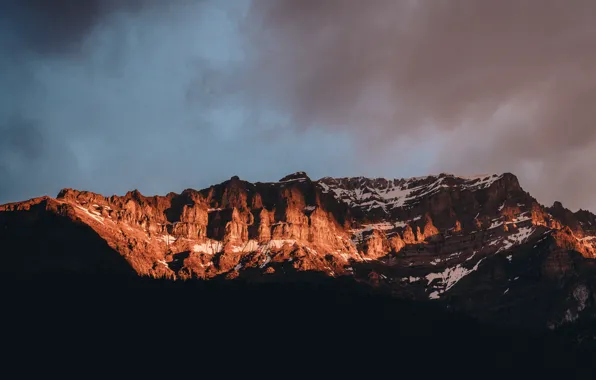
476	243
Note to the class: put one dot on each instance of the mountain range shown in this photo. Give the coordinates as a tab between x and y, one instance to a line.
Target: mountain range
480	246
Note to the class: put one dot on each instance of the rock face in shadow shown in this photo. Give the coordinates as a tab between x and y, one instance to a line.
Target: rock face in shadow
477	244
40	236
351	316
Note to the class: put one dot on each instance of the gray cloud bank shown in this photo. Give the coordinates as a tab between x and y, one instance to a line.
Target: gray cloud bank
505	85
141	94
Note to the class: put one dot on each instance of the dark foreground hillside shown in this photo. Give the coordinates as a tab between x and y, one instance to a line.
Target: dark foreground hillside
328	323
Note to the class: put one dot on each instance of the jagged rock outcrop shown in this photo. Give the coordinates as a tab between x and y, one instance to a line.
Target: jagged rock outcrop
457	227
396	243
408	235
376	245
264	226
236	231
430	230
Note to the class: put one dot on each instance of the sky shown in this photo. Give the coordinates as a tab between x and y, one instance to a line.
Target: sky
115	95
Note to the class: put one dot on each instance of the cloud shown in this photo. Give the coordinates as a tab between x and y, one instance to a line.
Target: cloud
507	85
164	95
24	164
139	97
61	26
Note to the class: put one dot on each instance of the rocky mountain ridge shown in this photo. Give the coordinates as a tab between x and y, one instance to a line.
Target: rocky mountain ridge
480	244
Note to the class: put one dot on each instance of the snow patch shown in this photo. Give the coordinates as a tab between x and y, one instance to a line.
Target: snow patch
474	184
495	225
517	238
94	215
389	194
471	257
345	256
280	243
520	218
210	247
411	279
267	261
394	195
439	260
496	241
434	295
449	277
249	246
310	250
167	238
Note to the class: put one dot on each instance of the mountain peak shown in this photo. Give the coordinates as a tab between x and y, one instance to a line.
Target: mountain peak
64	193
295	176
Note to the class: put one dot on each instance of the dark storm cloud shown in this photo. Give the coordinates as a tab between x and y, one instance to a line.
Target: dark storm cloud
506	85
60	26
